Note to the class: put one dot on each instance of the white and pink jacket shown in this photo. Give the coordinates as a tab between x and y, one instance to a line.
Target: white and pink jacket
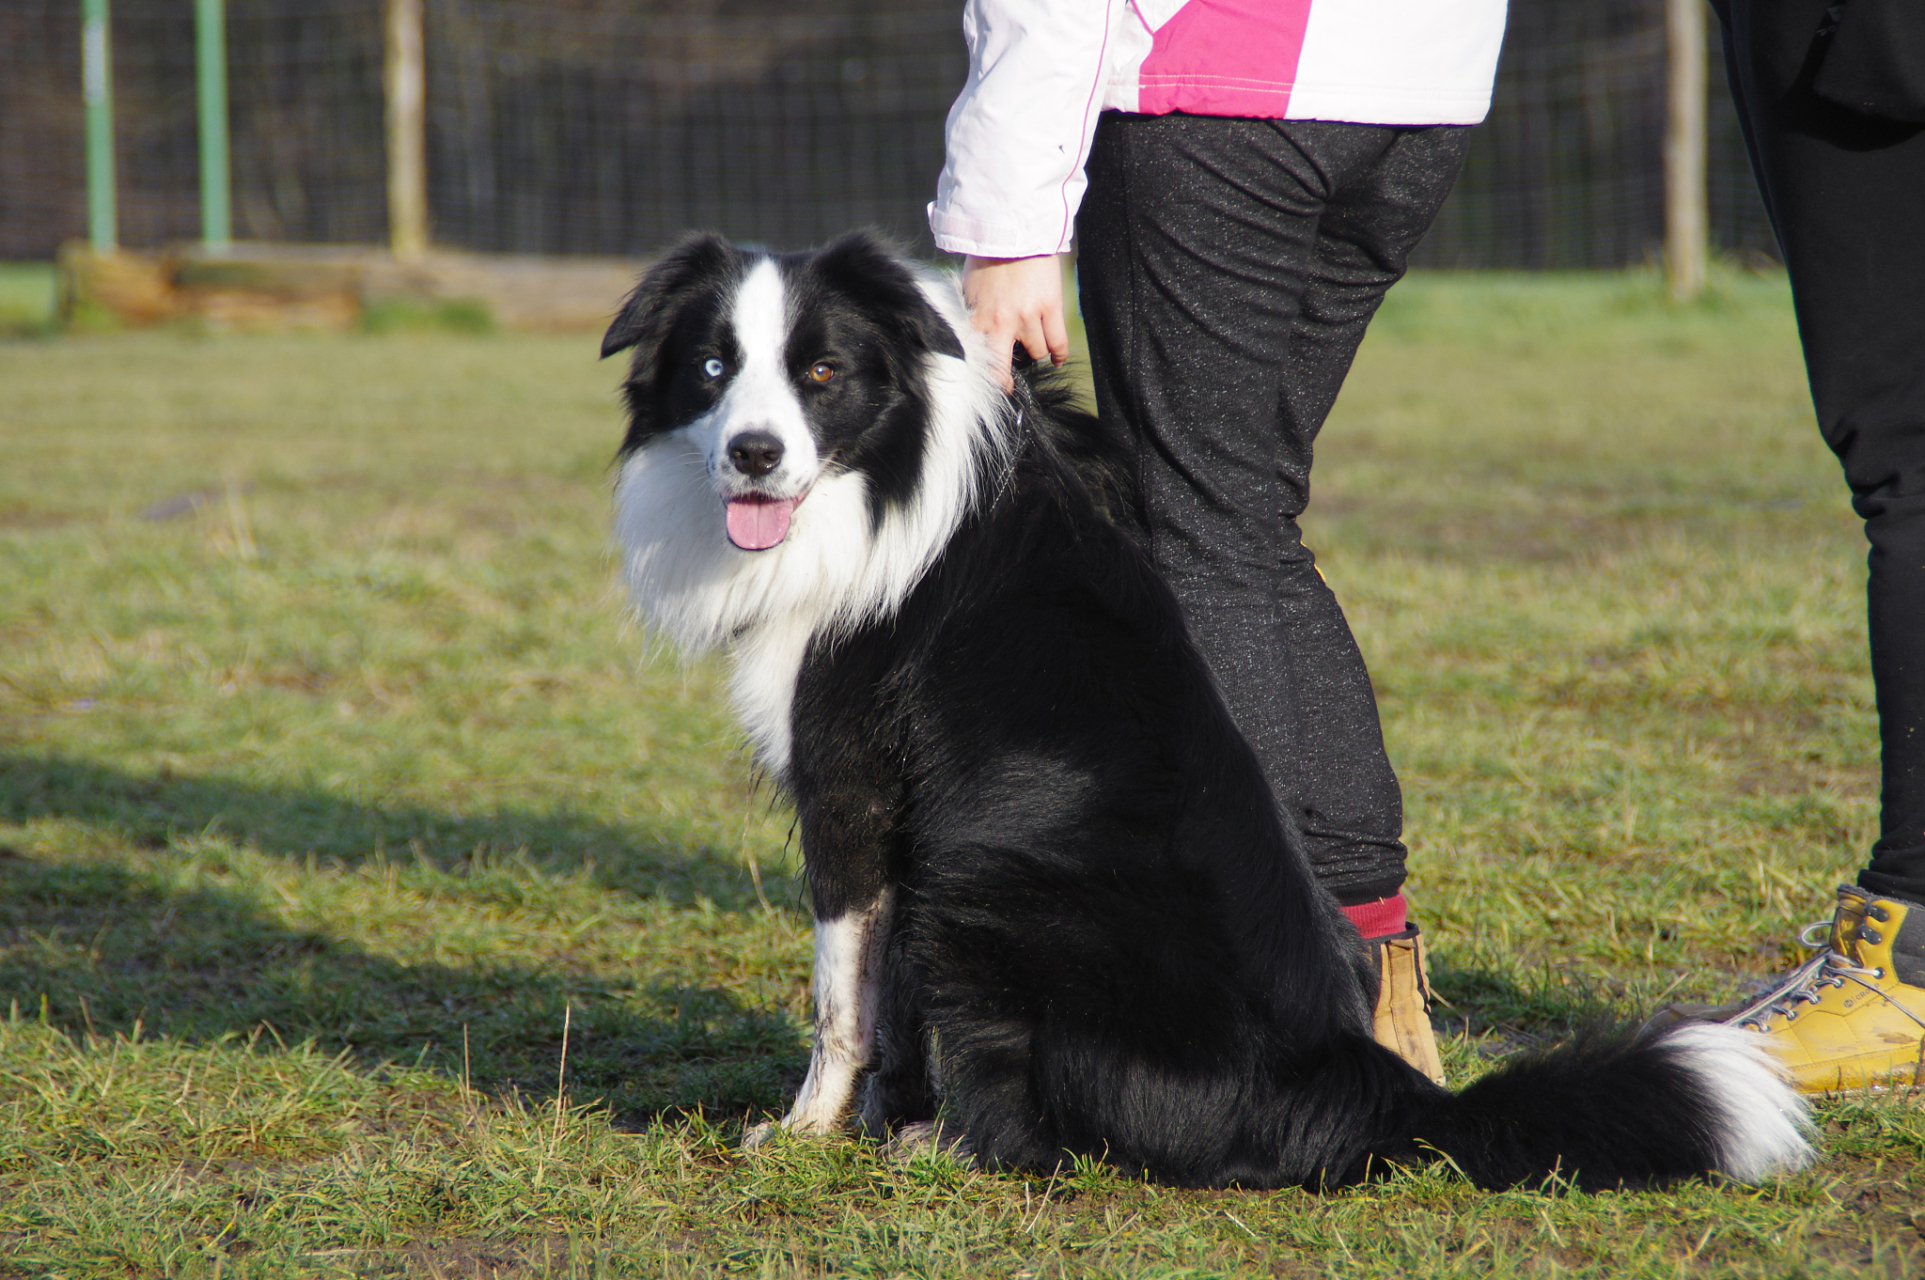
1040	71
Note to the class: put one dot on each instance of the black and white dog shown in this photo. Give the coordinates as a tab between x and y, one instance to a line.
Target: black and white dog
1049	882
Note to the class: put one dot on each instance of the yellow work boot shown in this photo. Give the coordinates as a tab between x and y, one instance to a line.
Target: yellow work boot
1853	1017
1401	1021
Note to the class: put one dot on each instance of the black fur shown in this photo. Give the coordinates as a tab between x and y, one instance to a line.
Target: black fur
1113	944
674	320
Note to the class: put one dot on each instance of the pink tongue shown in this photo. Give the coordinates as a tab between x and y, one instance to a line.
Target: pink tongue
756	524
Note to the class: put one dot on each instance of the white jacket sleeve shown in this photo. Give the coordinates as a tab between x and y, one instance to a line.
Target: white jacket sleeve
1020	131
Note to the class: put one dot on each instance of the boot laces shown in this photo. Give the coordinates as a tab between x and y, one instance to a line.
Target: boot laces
1833	968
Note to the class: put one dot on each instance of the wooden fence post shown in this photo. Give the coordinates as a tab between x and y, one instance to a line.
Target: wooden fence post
1686	220
405	84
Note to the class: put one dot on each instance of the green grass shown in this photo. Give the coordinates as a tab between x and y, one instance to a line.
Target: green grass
26	298
453	315
334	787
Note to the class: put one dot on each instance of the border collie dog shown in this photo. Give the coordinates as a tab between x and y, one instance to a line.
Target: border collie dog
1052	892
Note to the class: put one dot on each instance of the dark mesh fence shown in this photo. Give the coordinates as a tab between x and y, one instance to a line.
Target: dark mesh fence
1568	171
606	127
304	83
43	198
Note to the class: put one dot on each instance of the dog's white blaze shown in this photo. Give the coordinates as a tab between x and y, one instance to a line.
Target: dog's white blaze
833	572
1761	1117
760	396
847	989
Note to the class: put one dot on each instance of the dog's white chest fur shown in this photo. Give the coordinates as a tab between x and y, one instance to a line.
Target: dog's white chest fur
768	661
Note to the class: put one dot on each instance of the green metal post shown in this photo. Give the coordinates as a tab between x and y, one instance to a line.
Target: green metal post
97	80
210	61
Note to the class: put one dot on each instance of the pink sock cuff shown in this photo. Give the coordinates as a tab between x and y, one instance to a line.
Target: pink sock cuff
1379	919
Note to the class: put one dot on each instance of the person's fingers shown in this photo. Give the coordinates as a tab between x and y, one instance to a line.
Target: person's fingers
1009	330
1056	335
1003	368
1029	332
1045	334
1000	328
1017	300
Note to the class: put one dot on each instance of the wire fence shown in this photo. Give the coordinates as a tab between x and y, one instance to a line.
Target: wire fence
612	126
1568	171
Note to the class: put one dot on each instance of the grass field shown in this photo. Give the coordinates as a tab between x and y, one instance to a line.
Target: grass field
374	900
26	298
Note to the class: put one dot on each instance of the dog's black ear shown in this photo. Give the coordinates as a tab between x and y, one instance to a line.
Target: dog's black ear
649	311
862	268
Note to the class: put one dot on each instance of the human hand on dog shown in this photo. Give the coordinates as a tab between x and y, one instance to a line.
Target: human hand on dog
1014	300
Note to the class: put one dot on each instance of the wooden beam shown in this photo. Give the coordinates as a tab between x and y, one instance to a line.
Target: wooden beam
405	84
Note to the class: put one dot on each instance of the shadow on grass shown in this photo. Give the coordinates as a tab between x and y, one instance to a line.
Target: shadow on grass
1482	1000
107	946
104	948
293	822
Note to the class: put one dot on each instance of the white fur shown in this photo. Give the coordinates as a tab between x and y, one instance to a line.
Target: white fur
831	573
1762	1119
847	989
760	396
762	686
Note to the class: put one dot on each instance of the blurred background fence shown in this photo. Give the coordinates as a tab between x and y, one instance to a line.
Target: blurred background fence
611	126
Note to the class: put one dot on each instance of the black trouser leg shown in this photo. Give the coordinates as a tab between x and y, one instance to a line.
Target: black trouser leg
1846	194
1228	269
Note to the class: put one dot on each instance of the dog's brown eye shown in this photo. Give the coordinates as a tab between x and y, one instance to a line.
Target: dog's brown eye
822	372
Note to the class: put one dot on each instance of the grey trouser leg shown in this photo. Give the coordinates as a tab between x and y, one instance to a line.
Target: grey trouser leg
1228	269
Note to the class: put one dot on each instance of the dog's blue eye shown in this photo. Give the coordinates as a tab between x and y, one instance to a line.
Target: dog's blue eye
714	368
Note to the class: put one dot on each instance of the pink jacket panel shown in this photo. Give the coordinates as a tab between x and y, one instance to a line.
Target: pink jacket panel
1224	58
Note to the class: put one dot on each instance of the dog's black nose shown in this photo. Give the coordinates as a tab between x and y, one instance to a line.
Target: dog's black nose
755	453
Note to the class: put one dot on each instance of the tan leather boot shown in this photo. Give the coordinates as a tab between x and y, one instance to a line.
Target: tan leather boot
1402	1017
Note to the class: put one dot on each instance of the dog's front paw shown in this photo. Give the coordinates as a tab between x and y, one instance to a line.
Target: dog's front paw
791	1125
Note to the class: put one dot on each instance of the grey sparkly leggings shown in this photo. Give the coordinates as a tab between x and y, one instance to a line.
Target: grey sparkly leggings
1228	268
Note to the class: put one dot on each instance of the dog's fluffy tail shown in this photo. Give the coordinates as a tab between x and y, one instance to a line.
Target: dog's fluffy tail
1612	1109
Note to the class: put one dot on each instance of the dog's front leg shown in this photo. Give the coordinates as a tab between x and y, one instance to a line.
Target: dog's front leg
847	989
844	774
